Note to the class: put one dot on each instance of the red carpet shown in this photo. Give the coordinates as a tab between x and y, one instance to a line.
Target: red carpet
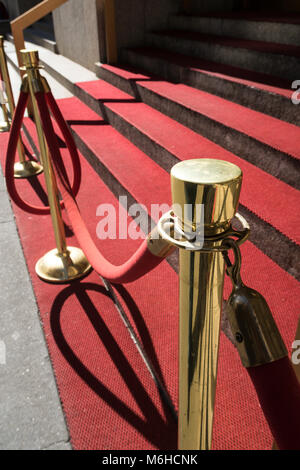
108	396
273	132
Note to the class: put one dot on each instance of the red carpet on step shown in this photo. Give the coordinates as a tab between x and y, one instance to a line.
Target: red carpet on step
108	396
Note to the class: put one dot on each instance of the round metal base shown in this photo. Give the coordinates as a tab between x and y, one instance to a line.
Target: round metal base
27	169
4	126
57	268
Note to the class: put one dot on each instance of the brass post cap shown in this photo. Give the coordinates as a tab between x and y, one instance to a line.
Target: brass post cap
214	184
30	58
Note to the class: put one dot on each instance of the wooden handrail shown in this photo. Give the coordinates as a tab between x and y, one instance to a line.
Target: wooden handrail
28	18
47	6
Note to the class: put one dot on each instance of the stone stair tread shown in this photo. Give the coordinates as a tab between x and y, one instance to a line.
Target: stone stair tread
258	46
126	161
63	66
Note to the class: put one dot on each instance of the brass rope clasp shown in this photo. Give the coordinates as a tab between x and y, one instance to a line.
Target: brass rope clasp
257	337
170	229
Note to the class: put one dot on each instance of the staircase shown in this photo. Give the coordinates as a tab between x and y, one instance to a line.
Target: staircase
194	93
216	87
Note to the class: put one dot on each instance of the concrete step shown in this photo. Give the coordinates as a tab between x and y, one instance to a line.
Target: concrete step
267	142
146	181
63	70
262	92
253	28
59	91
279	60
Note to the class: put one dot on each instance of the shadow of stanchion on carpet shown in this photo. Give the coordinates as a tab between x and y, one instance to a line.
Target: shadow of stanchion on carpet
160	431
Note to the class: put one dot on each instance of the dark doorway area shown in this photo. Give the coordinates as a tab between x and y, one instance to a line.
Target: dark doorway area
3	12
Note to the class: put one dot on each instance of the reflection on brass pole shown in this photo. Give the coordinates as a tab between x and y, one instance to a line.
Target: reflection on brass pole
62	264
5	125
4	75
24	168
215	184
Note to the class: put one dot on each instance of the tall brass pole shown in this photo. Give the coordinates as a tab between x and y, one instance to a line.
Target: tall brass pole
62	264
215	184
24	168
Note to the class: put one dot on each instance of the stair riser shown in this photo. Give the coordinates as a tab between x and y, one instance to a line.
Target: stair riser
150	147
274	64
281	33
260	100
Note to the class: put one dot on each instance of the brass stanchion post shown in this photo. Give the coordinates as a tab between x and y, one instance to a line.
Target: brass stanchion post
24	168
216	185
62	264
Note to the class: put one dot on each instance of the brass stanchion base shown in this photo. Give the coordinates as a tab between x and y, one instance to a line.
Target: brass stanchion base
4	126
58	268
27	169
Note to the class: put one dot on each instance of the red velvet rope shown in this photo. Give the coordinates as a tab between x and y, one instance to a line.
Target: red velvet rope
278	391
140	263
15	133
68	139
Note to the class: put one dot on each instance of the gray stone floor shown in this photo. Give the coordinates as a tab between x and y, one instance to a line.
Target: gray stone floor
31	416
